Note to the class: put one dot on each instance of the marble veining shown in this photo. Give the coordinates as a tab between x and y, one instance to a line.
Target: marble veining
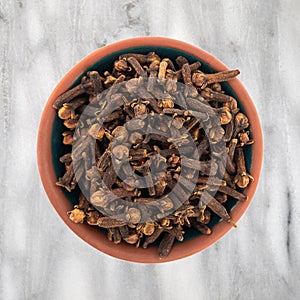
41	258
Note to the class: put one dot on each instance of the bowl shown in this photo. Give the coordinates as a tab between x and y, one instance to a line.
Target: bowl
49	148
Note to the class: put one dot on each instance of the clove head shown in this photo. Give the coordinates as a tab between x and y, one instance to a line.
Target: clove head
131	239
120	152
133	215
92	217
167	103
244	138
243	180
64	113
232	105
199	79
76	215
241	121
99	199
97	131
225	116
121	65
140	109
148	228
120	134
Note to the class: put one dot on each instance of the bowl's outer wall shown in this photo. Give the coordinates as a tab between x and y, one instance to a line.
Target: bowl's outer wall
50	147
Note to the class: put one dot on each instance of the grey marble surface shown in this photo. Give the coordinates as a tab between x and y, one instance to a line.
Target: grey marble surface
41	258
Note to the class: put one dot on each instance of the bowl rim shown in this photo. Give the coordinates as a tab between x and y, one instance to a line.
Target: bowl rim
90	234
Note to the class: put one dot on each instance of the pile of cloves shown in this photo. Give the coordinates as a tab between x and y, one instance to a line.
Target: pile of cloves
140	85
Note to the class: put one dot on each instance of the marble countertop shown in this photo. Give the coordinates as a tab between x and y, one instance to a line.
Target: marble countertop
41	258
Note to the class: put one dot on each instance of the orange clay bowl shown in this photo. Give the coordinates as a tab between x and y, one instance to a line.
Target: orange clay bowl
49	148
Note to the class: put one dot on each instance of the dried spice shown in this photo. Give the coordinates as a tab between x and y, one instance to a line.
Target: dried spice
137	170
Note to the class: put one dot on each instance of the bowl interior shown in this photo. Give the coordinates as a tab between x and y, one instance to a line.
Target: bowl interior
106	63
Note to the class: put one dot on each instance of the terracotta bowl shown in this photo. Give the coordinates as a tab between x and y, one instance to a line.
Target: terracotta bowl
49	148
